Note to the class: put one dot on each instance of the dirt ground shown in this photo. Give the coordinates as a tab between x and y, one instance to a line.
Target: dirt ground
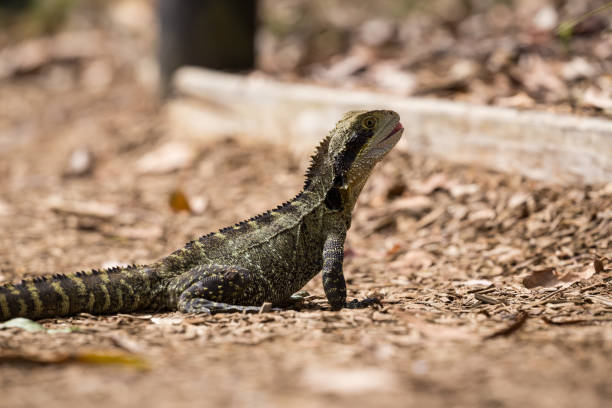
496	290
446	248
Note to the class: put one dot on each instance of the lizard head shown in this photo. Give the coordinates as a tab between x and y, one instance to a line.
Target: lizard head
360	140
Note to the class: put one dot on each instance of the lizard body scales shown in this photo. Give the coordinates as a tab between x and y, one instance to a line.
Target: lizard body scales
263	259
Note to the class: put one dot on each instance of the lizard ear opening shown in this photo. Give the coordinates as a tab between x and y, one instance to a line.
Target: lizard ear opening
333	199
339	181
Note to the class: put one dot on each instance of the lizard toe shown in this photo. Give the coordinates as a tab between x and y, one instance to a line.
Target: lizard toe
361	304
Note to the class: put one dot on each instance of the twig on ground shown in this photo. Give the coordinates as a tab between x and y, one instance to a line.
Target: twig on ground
548	297
487	299
551	320
521	318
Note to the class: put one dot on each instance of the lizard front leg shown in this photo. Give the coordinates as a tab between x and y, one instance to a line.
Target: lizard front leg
217	288
333	278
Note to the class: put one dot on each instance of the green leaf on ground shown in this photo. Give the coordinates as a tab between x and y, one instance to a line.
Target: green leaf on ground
23	323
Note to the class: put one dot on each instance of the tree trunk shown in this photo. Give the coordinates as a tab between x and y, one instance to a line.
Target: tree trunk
208	33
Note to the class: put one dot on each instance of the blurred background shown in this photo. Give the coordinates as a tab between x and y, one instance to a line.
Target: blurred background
96	171
548	54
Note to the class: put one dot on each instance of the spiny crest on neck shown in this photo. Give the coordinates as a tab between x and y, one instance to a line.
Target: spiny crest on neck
316	161
314	170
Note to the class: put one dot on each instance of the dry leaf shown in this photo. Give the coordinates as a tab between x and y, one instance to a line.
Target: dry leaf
543	277
111	358
178	201
575	276
23	323
165	159
549	277
598	265
518	322
393	249
88	357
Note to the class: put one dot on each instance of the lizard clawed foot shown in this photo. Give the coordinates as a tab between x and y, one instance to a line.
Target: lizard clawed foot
296	302
300	296
361	304
199	306
204	306
297	299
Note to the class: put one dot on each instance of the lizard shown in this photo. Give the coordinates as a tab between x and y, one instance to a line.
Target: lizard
266	258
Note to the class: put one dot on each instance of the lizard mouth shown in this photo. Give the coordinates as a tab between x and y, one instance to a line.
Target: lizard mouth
396	129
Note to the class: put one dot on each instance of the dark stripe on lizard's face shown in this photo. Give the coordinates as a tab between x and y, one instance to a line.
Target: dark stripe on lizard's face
344	160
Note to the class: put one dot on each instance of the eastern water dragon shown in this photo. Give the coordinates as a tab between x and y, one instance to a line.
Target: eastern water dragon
266	258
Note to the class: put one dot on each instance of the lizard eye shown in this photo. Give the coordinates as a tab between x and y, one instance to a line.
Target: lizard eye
369	122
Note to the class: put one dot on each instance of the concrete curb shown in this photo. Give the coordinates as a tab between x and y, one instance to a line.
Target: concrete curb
542	145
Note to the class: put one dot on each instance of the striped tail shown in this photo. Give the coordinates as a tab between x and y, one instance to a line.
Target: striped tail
98	292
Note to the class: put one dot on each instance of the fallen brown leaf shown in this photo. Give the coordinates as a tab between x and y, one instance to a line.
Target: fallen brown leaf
393	249
178	201
521	318
543	277
549	277
87	357
598	265
110	358
575	276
